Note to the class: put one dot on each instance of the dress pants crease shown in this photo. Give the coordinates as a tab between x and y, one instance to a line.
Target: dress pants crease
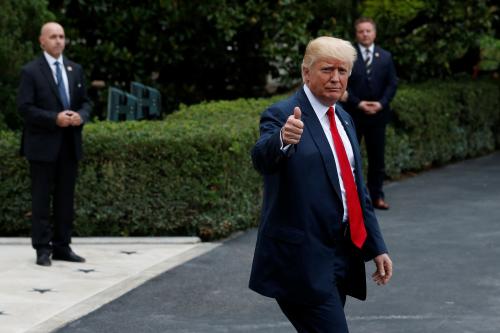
56	179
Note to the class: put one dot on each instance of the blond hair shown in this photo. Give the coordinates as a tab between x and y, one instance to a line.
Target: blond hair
326	47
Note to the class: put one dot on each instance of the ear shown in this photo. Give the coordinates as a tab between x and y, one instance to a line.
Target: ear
305	73
40	40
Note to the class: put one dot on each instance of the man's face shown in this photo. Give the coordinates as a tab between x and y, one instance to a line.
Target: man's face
52	39
327	79
365	34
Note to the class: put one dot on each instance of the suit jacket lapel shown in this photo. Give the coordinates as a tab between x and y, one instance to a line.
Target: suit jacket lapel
359	58
351	134
47	72
71	78
375	59
311	121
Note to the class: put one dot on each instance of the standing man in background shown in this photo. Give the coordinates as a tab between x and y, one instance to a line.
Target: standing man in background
372	87
53	101
318	226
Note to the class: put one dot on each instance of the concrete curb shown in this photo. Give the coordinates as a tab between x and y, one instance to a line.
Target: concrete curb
110	240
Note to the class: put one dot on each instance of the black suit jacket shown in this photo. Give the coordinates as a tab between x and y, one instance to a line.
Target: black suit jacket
39	103
379	86
302	210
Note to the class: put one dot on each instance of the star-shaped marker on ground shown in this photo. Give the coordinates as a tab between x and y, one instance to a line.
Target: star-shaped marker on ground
41	291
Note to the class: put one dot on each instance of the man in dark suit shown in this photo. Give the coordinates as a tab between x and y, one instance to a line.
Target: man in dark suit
372	87
53	101
318	226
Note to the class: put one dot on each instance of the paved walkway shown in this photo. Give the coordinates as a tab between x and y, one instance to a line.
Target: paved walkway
443	232
41	299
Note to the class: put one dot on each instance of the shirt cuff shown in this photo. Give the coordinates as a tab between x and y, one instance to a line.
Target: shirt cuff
285	148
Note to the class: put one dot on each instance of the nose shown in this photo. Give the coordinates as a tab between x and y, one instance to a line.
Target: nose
335	76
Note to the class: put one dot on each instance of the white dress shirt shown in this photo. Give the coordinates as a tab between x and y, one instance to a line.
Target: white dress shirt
321	112
51	60
363	51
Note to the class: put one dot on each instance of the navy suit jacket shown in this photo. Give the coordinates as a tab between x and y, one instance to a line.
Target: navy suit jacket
39	103
379	86
302	210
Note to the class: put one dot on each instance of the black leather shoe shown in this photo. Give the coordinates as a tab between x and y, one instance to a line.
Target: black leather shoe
67	255
380	204
43	259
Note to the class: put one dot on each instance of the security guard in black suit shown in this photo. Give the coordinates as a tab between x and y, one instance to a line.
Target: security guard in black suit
372	86
53	101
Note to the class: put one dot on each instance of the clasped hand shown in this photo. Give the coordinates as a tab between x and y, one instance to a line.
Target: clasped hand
370	107
68	118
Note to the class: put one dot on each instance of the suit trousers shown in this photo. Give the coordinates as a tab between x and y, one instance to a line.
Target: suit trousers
329	316
54	182
374	134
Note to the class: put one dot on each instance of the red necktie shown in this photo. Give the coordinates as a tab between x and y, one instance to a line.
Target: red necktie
356	223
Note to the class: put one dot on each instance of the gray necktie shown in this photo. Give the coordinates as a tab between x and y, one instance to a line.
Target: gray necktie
368	61
60	86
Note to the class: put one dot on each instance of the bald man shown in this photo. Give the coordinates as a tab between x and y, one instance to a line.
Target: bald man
53	102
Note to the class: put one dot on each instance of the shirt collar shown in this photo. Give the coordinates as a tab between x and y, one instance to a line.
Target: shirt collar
319	108
50	59
363	49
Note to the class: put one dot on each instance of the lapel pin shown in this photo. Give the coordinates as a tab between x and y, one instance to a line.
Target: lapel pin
377	55
79	85
69	68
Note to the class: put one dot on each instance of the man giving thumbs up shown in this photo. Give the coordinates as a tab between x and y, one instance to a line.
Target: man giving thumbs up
318	226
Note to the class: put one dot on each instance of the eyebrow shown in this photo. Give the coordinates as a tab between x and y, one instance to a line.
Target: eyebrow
333	67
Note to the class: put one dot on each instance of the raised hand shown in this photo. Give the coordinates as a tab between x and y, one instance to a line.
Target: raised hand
291	132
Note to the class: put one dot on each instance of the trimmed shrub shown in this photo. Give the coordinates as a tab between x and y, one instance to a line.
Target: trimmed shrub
190	174
438	122
15	197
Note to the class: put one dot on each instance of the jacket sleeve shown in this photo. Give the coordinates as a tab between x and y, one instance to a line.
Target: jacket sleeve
267	155
26	105
390	85
85	105
352	100
374	244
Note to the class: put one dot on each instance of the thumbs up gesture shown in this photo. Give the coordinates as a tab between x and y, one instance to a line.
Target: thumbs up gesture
293	128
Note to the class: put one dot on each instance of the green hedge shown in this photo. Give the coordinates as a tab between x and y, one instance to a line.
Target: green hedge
191	174
438	122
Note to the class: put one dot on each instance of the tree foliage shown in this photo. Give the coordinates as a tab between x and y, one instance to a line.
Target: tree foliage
432	38
224	49
197	50
20	22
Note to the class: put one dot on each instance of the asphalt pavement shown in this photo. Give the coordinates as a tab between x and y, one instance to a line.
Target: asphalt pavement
443	234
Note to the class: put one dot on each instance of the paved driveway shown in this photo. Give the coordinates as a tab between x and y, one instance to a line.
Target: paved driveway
443	232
